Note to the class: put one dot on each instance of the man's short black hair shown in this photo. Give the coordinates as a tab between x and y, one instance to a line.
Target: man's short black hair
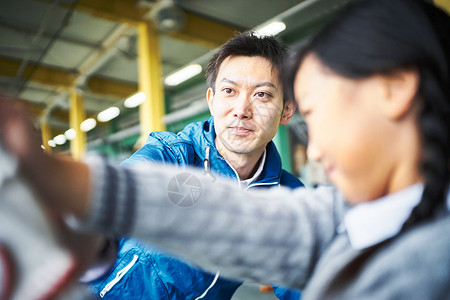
247	44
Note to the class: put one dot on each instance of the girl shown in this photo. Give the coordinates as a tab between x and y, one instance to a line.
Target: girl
373	86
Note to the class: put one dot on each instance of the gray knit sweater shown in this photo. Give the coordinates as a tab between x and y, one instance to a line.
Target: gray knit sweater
277	236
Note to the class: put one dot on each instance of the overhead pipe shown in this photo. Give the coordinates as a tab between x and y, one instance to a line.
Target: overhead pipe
93	63
97	59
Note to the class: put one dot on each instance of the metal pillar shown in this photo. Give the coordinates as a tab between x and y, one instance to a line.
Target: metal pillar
76	116
46	136
151	112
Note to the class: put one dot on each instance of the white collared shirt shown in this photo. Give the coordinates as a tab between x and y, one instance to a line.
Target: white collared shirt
246	182
243	184
372	222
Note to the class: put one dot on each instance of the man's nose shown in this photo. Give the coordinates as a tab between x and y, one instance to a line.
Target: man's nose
243	107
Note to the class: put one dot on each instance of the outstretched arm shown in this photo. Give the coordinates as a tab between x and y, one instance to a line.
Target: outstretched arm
272	235
51	176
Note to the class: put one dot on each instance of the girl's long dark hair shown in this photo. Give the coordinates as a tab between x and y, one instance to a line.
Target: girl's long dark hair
378	36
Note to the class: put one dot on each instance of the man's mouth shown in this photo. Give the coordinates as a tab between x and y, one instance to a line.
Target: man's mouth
239	129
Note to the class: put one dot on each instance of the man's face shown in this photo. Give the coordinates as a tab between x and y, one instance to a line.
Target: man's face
247	104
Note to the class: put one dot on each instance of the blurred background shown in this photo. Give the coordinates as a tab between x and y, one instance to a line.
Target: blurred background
99	75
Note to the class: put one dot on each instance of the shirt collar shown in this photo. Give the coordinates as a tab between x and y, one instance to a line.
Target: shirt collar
372	222
245	183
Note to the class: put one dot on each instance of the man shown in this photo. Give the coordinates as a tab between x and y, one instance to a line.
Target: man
246	102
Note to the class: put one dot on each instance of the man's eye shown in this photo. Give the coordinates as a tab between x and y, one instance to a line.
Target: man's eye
262	95
228	90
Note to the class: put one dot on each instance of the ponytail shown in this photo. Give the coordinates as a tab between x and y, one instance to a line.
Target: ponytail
435	124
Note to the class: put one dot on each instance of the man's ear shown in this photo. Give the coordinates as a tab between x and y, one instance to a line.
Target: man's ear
210	99
400	91
288	112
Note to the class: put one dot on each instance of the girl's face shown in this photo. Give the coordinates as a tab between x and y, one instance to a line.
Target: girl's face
349	132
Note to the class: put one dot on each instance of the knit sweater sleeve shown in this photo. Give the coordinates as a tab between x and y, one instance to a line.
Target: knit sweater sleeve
273	235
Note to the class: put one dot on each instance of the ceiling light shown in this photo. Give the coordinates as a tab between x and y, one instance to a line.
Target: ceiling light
183	75
60	139
70	134
108	114
51	143
88	124
135	100
271	29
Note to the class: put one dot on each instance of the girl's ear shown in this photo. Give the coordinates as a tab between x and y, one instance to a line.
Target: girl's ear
210	99
400	88
288	112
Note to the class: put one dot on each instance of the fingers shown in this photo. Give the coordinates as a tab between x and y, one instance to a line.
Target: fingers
17	132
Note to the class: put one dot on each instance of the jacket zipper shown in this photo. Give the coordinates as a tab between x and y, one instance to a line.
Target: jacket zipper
119	276
207	167
210	287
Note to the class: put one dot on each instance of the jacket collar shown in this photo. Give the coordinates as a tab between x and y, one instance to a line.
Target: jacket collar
270	174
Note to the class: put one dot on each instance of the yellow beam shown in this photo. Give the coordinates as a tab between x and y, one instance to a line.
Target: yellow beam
444	4
40	74
63	115
205	32
111	88
56	77
77	115
199	30
151	112
122	11
34	109
60	114
37	110
46	133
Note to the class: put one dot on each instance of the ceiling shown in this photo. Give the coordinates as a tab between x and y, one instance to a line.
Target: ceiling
49	47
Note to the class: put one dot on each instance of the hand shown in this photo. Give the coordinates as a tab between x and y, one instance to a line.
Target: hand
17	131
63	184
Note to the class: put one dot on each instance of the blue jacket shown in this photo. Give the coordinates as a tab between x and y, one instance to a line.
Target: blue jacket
142	272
